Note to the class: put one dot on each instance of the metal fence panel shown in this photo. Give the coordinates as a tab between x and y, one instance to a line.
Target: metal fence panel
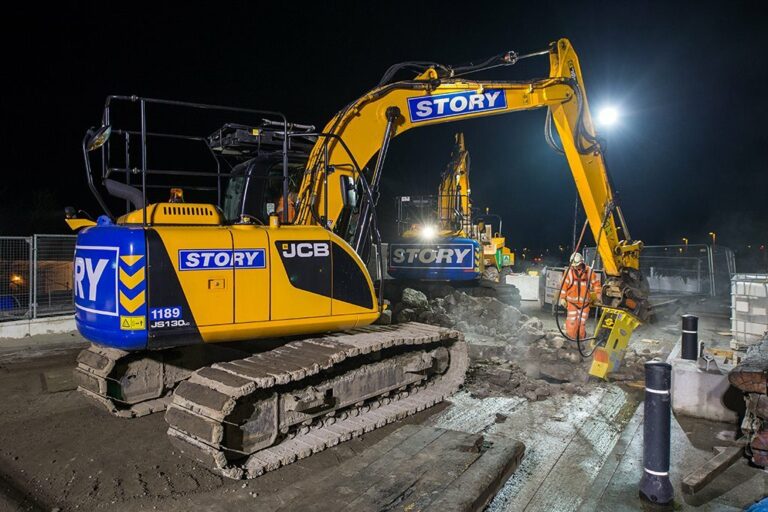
678	269
685	269
15	277
52	275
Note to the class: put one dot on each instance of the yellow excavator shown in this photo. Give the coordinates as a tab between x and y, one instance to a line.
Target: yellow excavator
441	238
177	295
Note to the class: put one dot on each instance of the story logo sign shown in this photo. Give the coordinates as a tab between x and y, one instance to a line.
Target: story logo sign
424	108
458	256
95	279
216	259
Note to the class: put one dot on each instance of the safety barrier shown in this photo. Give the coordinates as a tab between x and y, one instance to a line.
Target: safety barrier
36	276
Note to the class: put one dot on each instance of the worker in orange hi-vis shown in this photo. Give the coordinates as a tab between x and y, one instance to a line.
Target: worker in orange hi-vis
580	289
292	201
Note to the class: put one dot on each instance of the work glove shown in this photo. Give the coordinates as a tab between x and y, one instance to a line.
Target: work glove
563	303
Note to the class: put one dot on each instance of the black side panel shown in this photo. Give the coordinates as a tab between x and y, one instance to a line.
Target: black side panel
165	292
349	283
308	264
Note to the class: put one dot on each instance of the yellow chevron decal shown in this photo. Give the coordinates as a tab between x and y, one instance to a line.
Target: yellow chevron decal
130	260
133	304
131	281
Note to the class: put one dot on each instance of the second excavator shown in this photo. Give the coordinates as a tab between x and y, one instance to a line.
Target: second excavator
183	300
442	238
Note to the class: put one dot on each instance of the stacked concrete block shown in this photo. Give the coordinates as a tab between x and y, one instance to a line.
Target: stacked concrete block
749	309
528	285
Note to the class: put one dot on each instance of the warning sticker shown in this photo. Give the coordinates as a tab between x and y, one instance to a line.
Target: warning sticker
132	323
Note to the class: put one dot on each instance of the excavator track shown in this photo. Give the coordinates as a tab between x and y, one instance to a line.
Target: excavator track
134	384
94	375
246	417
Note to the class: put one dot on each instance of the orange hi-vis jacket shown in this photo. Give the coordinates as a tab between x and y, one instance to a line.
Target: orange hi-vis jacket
576	290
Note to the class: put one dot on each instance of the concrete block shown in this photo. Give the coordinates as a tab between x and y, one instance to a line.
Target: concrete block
528	285
761	320
47	325
701	394
750	285
740	327
757	289
483	348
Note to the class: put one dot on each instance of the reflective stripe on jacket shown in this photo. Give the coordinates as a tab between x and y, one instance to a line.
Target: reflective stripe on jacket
575	289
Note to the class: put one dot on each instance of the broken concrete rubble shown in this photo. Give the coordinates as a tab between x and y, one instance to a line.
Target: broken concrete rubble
485	316
505	378
516	355
751	377
414	299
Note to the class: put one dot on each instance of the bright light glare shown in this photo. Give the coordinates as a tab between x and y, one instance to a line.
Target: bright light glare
608	116
428	232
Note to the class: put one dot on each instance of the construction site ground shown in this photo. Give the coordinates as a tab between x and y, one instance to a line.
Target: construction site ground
583	447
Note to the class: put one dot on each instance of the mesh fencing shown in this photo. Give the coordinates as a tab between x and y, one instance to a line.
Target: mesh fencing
52	275
15	277
685	269
36	276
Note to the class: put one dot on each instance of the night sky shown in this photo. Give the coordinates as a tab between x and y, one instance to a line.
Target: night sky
688	157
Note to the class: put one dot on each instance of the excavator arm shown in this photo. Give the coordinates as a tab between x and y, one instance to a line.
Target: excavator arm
454	203
366	126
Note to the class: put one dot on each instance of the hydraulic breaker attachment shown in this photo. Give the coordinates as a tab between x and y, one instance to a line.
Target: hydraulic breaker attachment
611	338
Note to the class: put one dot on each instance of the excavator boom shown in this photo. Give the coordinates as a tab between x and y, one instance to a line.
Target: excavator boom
366	126
454	200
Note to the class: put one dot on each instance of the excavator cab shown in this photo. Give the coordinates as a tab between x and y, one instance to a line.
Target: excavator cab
254	190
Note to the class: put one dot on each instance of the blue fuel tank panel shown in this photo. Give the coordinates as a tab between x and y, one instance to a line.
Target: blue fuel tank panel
447	259
110	286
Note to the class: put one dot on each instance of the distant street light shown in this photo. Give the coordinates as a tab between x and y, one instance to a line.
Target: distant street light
714	237
685	242
608	116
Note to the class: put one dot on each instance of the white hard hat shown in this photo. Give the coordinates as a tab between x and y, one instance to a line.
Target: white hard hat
576	259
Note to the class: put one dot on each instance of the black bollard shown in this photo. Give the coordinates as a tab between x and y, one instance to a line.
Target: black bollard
690	337
655	486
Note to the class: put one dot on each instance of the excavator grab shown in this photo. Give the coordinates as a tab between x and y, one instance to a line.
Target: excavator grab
281	254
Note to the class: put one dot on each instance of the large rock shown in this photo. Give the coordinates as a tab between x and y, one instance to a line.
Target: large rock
510	317
406	315
531	331
385	318
492	305
414	299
